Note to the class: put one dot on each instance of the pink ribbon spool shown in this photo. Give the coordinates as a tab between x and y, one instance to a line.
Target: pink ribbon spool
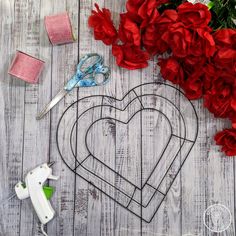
59	28
26	67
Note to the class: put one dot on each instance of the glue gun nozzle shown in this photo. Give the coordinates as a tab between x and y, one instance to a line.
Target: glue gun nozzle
51	164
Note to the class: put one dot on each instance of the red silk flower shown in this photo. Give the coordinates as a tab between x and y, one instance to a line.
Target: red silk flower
179	39
148	12
225	57
193	84
227	139
152	35
194	15
142	11
102	25
130	57
220	98
132	7
202	43
129	31
172	70
225	38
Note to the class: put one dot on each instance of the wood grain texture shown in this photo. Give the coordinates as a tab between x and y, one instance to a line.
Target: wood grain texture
207	176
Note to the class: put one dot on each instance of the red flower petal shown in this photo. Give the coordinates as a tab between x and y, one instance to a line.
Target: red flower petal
102	25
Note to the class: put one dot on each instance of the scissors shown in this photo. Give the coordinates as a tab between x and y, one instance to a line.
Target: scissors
90	72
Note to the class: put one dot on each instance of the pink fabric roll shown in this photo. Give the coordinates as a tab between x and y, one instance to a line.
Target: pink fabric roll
26	67
59	28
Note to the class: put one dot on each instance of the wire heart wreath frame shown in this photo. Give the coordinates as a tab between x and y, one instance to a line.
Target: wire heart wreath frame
180	123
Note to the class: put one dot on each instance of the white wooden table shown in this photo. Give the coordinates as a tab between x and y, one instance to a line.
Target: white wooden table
206	178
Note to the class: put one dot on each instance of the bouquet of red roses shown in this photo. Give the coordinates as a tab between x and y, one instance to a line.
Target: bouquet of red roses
202	53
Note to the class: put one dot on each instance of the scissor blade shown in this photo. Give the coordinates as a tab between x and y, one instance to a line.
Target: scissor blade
54	101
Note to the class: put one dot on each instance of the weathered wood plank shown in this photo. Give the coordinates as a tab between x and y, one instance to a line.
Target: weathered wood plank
63	62
128	152
90	217
36	134
83	223
167	219
12	91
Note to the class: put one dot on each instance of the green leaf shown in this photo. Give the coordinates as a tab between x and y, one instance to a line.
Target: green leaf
223	12
210	5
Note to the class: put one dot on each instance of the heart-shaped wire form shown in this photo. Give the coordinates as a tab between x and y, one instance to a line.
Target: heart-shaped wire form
131	149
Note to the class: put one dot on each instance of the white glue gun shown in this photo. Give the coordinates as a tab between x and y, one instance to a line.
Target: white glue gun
39	194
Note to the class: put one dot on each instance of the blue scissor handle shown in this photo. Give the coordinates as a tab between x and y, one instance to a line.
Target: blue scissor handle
88	78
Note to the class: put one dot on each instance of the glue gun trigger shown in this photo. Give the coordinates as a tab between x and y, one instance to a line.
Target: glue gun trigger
53	177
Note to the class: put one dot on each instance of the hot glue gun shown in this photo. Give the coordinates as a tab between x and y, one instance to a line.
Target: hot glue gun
33	187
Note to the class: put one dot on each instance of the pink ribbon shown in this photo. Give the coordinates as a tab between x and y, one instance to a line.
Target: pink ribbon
26	67
59	28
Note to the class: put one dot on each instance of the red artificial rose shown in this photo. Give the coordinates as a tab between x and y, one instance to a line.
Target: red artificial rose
227	139
179	39
171	70
202	43
167	18
225	38
225	57
194	15
103	26
132	7
152	36
130	57
193	85
144	12
221	97
148	12
129	32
